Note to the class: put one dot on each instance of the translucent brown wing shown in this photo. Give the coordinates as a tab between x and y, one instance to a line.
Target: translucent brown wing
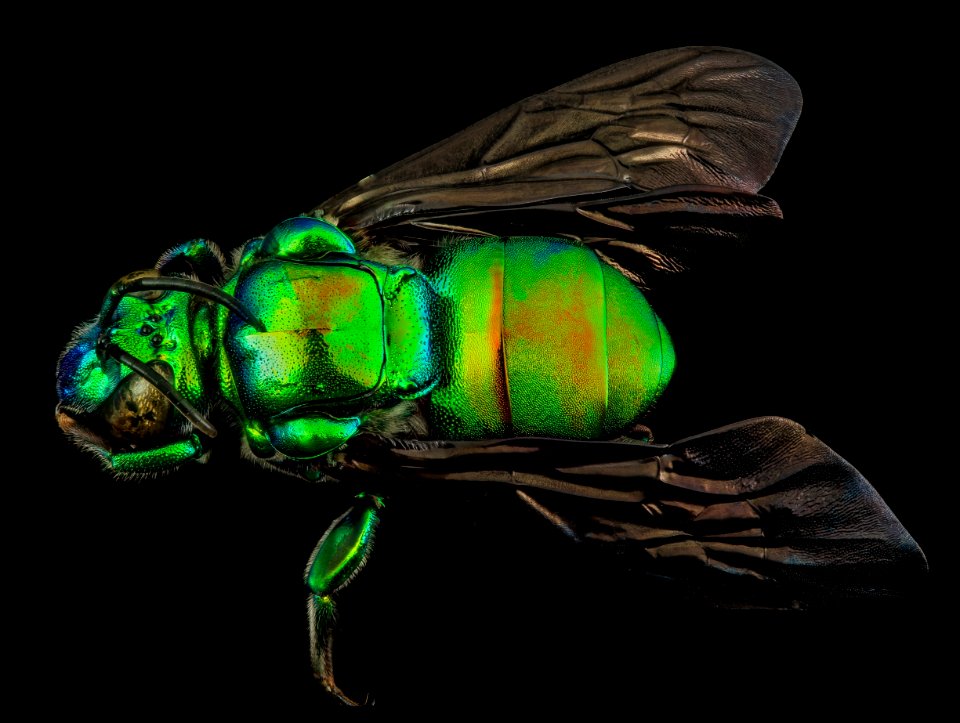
758	500
691	132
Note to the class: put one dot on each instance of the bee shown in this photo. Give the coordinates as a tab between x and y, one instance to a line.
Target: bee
478	313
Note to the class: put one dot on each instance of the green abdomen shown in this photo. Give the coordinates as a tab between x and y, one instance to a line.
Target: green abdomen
541	338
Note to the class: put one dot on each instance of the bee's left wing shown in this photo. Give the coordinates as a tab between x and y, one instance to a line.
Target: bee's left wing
760	501
635	159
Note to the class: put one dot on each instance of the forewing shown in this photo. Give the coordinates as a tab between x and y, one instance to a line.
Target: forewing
707	122
760	501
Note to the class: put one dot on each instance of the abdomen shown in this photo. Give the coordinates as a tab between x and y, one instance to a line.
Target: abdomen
539	337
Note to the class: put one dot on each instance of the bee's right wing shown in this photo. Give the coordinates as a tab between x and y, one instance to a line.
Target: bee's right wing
628	159
761	502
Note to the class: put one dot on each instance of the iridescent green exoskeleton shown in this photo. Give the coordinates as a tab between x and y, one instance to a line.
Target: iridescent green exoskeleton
479	312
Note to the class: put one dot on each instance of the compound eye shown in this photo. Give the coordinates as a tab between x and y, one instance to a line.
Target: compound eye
137	410
151	296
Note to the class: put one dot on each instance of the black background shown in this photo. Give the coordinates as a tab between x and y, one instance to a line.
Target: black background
185	592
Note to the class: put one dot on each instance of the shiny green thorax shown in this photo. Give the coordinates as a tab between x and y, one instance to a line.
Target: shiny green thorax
343	336
491	338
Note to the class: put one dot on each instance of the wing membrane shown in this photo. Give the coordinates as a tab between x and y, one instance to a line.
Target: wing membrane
760	500
708	117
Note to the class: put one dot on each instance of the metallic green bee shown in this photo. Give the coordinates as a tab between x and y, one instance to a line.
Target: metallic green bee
477	312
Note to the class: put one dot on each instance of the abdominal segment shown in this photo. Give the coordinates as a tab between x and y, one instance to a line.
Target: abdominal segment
541	338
